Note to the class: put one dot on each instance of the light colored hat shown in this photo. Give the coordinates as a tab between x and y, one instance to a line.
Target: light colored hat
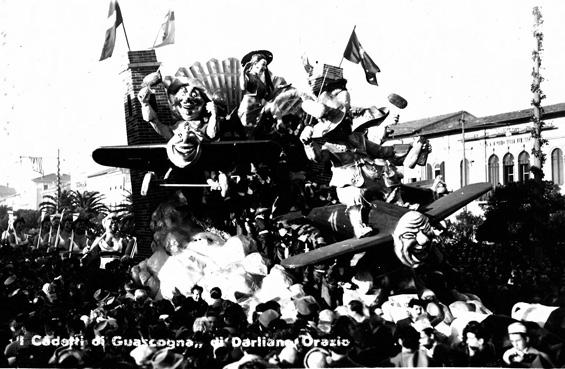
141	354
316	358
289	355
517	328
326	316
325	320
166	359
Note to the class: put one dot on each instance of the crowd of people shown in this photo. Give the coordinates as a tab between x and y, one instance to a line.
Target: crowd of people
74	234
63	306
65	311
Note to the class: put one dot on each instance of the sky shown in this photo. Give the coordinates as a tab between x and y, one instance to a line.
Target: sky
442	56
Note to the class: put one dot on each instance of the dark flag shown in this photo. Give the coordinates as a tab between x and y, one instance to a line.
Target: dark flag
355	53
166	35
114	20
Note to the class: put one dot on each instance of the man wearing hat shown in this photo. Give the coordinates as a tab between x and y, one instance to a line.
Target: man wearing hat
258	85
521	353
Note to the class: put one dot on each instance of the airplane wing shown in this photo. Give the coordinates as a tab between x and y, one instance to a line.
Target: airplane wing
384	217
454	201
213	155
350	246
141	157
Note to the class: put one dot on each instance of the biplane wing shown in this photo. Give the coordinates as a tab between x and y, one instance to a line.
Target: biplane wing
450	203
352	245
211	155
141	157
384	217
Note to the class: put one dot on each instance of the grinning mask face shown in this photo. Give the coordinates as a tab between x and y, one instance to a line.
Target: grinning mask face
412	239
189	102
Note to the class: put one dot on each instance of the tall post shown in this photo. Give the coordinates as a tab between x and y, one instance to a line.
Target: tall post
464	163
58	182
538	96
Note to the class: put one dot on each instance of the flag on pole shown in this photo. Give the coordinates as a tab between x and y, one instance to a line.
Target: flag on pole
166	34
355	53
37	164
114	20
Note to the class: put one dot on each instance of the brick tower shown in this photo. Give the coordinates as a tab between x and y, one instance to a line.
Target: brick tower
140	64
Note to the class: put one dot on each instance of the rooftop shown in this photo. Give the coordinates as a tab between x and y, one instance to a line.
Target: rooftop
442	124
6	191
50	178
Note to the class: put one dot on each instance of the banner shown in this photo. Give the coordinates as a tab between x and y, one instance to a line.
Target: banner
114	20
166	35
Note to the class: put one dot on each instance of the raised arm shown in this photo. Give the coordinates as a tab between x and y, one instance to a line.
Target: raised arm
150	115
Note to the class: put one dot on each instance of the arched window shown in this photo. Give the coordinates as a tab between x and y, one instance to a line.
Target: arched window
557	166
465	174
439	169
493	170
524	166
508	169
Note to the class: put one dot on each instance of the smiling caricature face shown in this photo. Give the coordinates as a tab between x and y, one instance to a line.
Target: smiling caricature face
189	102
412	239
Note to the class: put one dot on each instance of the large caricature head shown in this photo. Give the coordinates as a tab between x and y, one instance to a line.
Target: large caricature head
412	239
187	97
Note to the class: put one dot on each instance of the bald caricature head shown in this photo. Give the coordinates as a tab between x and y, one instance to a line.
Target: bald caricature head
412	239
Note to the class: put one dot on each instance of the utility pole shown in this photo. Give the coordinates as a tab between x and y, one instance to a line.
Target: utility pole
464	164
539	156
58	182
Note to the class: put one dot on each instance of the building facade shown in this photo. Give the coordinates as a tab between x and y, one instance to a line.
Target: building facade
113	183
495	149
47	186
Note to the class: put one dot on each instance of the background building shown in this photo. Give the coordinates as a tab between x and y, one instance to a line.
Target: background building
113	183
495	149
47	185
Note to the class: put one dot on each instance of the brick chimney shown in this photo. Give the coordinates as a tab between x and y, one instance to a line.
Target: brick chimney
139	132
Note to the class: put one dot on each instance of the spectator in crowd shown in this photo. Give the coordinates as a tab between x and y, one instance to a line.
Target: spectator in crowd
79	239
522	354
18	238
63	236
439	354
110	241
198	305
41	239
410	354
415	310
476	350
